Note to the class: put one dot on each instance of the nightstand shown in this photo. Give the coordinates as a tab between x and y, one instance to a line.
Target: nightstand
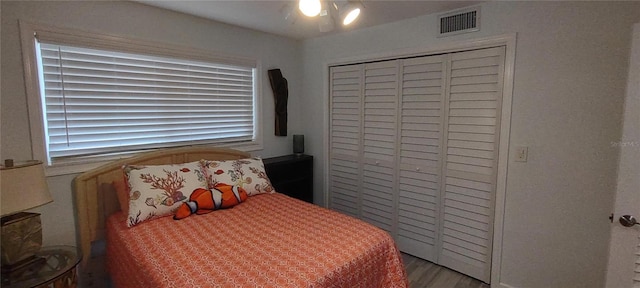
59	270
291	175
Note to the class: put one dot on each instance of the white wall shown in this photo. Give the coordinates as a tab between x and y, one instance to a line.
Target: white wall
570	75
133	20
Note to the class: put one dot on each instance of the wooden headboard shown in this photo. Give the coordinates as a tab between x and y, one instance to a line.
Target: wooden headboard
96	199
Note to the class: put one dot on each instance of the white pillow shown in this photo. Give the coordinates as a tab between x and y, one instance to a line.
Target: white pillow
158	190
247	173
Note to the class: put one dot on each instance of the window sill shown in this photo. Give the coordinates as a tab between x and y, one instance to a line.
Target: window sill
79	166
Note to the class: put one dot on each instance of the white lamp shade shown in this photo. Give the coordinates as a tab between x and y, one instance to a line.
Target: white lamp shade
23	187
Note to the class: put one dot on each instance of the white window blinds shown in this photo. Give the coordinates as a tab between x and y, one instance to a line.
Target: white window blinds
99	102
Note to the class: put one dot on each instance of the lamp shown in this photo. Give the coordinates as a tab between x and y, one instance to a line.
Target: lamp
23	186
350	12
329	10
310	8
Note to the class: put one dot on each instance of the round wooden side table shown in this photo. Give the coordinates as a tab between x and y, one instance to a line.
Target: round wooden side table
58	271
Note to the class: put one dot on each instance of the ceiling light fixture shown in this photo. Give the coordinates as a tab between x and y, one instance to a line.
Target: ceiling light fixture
350	12
330	11
310	8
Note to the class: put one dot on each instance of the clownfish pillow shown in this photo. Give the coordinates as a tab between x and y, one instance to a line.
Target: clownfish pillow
203	201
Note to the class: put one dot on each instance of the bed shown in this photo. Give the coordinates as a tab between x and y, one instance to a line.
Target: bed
269	240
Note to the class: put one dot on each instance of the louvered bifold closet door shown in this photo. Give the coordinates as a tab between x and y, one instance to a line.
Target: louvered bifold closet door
471	141
379	144
636	276
345	139
420	164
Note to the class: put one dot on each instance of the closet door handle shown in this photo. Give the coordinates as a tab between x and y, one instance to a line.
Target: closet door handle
628	221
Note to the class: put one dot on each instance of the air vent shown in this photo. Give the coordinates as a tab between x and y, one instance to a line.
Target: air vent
460	21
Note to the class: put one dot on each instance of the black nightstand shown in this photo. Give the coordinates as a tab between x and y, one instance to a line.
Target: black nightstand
291	175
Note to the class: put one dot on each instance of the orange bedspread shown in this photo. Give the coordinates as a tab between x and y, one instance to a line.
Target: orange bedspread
270	240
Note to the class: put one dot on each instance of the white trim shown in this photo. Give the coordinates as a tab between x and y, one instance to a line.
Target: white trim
32	88
503	159
29	31
258	143
325	140
507	40
449	47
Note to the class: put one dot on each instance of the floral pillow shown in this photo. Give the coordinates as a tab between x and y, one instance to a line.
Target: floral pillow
246	173
158	190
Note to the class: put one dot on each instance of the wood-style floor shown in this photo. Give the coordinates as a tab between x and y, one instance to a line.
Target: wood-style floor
422	273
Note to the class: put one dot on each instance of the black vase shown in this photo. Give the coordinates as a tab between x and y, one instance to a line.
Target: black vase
298	144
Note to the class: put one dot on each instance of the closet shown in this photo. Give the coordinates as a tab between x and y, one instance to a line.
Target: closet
413	150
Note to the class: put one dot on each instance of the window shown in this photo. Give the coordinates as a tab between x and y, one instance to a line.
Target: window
98	101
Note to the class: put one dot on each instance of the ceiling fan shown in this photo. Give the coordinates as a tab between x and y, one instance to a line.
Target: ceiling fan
344	11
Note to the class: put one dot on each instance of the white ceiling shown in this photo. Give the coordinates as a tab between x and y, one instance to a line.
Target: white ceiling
269	15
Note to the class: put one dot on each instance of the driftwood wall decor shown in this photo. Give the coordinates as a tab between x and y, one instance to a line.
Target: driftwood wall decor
281	94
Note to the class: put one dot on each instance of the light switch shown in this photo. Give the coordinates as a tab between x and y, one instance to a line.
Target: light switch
522	153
